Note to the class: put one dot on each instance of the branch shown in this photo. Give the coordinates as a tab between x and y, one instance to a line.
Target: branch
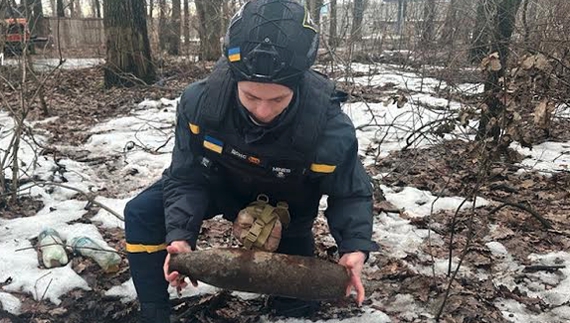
90	197
532	212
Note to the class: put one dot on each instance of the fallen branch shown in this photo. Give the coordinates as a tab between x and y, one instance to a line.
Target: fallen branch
532	212
549	268
89	196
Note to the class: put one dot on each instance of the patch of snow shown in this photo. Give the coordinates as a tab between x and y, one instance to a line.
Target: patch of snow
126	291
397	236
48	64
497	249
417	203
369	315
107	219
560	293
407	309
28	278
546	157
516	312
10	303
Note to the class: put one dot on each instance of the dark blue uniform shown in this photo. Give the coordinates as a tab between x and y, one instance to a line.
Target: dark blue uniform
222	161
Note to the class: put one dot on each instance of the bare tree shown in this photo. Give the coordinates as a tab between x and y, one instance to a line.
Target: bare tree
504	21
428	21
128	56
35	15
450	23
53	7
150	9
60	8
357	17
75	9
175	29
209	28
226	14
482	32
314	7
186	24
333	36
402	13
96	5
162	25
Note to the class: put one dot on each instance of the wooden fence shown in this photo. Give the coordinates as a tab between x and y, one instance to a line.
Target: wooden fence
77	33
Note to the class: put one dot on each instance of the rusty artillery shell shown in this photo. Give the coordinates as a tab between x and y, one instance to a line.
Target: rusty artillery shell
264	273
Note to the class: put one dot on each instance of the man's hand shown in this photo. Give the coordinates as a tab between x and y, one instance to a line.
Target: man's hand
354	262
174	278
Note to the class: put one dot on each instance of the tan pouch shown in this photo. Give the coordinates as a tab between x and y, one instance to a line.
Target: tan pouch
259	225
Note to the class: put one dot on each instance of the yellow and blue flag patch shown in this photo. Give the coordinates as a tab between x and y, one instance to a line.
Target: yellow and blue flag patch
213	144
234	54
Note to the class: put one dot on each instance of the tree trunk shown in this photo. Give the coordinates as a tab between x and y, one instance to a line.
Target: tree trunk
35	15
450	23
71	6
357	17
333	37
129	59
210	28
226	15
60	9
481	34
53	7
174	30
3	9
529	24
186	24
96	8
428	23
150	17
314	7
162	25
75	9
402	13
504	24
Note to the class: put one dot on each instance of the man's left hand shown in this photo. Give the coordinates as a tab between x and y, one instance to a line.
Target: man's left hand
354	262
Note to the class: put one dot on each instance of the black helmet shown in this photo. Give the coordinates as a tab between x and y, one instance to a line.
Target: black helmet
271	41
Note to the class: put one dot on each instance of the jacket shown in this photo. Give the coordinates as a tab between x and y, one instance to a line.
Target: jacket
222	158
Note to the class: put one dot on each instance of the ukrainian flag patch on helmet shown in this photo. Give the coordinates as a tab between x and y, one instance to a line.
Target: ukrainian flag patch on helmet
234	54
213	144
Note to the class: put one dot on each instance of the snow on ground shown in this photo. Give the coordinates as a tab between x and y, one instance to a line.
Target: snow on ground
383	74
546	157
47	64
144	139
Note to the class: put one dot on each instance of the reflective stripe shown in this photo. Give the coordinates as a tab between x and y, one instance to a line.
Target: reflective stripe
134	248
323	168
194	128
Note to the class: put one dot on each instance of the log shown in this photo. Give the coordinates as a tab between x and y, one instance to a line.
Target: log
262	272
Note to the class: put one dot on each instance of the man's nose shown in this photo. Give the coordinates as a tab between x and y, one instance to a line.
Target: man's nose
264	109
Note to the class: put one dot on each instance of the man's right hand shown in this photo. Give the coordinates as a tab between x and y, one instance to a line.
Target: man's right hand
174	278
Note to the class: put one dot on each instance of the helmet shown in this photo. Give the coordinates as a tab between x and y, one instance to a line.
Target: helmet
271	41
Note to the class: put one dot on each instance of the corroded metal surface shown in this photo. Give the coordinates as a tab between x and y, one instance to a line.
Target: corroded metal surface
264	273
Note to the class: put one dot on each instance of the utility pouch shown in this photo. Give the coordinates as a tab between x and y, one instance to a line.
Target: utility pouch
260	224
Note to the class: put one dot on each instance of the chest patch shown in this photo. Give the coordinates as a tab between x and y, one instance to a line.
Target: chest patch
243	156
281	172
213	144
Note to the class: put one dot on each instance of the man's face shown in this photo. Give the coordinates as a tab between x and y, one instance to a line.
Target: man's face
265	101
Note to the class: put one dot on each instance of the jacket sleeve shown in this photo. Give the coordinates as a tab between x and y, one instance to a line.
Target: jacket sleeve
186	184
349	188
